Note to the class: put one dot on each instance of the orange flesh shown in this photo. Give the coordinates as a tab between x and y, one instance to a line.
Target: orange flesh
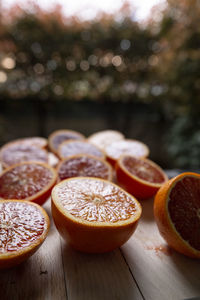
83	166
116	149
143	170
59	138
20	152
184	204
33	141
24	181
78	147
95	201
20	225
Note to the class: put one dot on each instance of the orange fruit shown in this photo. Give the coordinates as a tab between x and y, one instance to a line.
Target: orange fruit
31	181
104	138
84	165
69	148
23	228
94	215
130	147
52	159
59	136
177	213
140	177
16	152
31	141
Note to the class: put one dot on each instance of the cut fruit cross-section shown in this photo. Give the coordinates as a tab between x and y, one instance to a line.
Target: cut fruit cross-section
16	152
59	136
177	213
69	148
29	181
84	165
23	228
129	147
94	215
104	138
140	177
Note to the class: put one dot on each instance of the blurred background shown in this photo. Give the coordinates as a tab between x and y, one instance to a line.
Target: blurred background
133	66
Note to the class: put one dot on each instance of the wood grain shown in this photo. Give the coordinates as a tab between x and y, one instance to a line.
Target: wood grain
144	268
40	277
161	273
98	276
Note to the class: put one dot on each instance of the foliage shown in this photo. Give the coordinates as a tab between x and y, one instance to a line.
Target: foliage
49	57
54	57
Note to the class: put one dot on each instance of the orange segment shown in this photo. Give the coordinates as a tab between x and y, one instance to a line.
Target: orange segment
59	136
140	177
104	138
130	147
94	215
84	165
69	148
16	152
29	181
177	213
23	228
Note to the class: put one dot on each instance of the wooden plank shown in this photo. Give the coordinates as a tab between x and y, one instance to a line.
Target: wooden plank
98	276
40	277
161	273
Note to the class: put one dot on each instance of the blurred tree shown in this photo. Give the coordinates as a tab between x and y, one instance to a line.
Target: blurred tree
178	33
58	58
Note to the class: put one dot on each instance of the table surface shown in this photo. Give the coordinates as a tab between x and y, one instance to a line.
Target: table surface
143	268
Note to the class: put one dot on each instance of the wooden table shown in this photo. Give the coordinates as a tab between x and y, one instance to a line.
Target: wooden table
144	268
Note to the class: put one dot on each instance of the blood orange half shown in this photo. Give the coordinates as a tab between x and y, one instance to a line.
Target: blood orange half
32	141
177	213
140	177
59	136
84	165
28	181
104	138
94	215
69	148
16	152
23	228
130	147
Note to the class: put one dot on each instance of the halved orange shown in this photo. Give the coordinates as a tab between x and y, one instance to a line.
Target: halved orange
127	146
94	215
69	148
140	177
61	135
30	181
23	228
16	152
85	166
104	138
177	213
31	141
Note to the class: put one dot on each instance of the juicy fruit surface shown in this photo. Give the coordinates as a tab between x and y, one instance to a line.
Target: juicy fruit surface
24	180
20	152
83	166
95	201
105	137
184	209
131	147
33	141
78	147
20	225
143	170
58	138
